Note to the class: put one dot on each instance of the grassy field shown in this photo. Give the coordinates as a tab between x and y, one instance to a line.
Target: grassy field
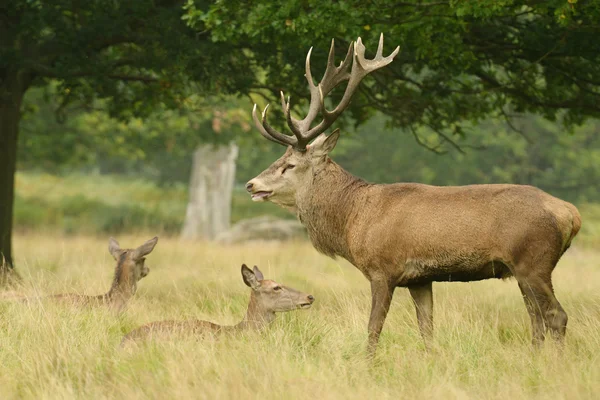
482	339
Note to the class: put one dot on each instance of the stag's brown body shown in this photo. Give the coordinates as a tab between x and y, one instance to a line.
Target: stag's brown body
413	233
408	234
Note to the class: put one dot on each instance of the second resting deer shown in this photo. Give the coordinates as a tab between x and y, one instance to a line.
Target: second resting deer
267	298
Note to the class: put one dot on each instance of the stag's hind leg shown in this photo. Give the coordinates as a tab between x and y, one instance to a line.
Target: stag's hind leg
555	317
544	309
535	304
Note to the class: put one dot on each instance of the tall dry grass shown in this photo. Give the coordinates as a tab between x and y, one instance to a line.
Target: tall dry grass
482	334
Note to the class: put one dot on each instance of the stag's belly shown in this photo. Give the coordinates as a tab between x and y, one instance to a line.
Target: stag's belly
467	269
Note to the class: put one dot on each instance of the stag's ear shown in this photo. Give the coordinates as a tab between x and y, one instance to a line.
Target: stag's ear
113	248
322	145
144	249
249	278
258	274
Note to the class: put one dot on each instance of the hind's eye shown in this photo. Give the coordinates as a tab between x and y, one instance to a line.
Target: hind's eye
277	288
289	166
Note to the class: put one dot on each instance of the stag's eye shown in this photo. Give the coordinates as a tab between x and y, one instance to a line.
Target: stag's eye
277	288
289	166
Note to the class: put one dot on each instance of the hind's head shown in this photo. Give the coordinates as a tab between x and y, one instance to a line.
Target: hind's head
271	296
131	261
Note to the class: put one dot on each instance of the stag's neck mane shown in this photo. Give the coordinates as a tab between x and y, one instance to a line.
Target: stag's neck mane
327	205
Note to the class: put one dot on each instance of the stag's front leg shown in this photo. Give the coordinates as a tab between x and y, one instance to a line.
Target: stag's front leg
422	296
381	297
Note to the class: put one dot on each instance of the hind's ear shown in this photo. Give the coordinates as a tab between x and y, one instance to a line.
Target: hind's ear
249	278
145	249
113	248
258	274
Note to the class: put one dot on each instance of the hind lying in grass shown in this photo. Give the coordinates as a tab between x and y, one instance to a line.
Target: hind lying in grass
267	298
129	270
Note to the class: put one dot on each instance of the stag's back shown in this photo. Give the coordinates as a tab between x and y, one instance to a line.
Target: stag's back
470	225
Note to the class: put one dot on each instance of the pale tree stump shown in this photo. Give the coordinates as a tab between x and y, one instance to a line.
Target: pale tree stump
211	186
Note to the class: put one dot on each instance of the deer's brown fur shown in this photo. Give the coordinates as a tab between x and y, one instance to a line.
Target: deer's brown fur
267	297
410	235
129	270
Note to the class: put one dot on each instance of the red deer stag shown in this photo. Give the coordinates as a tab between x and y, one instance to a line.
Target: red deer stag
267	298
409	234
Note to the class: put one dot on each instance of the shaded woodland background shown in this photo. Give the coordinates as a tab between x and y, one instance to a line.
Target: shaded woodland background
115	97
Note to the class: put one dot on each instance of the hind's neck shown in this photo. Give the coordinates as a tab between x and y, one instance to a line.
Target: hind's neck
123	287
257	316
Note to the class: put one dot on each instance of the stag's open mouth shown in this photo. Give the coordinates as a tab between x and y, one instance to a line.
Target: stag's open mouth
261	196
305	305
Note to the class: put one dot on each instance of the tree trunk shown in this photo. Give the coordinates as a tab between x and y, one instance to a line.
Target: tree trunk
11	97
211	186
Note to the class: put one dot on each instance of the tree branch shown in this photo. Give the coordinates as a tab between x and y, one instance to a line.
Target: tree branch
425	145
514	128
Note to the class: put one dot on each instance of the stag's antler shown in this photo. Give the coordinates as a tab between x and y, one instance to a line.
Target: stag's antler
333	76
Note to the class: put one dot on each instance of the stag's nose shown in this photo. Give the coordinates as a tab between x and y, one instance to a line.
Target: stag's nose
249	186
311	298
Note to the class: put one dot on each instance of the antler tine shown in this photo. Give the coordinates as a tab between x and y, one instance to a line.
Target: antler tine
268	132
291	121
298	127
379	53
307	73
283	107
335	75
359	54
331	56
277	135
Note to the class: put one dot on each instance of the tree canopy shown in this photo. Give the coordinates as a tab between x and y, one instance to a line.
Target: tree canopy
460	60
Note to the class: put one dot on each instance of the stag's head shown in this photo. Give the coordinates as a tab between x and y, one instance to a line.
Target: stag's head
272	296
302	160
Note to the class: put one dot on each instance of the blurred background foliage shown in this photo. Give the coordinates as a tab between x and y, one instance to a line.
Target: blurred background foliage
90	173
506	90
